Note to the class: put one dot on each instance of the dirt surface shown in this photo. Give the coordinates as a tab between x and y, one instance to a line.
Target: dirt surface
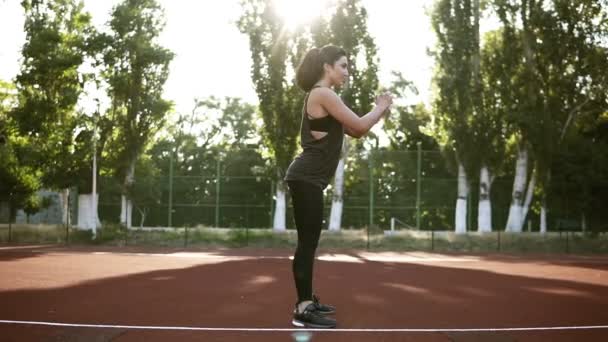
253	288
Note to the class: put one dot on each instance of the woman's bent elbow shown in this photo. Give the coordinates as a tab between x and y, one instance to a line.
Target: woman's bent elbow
359	132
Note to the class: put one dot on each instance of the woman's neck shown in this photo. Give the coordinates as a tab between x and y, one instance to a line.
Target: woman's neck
324	83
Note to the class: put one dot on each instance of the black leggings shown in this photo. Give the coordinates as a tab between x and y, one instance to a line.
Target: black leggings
307	200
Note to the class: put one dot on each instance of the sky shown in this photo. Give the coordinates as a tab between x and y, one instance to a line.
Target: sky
213	58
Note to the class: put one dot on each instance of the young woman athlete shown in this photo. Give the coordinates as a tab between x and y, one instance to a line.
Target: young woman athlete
325	120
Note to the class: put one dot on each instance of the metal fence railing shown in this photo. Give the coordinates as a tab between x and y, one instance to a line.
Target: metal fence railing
415	187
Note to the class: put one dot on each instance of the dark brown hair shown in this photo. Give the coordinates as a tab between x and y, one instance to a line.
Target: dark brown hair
310	69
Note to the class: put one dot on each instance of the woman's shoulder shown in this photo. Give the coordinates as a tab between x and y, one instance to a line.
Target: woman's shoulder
322	93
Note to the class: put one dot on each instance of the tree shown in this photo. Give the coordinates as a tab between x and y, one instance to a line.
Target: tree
216	133
559	81
136	71
408	127
18	180
238	118
488	123
271	50
456	26
49	86
145	190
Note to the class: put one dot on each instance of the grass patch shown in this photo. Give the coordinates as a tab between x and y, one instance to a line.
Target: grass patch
405	240
25	233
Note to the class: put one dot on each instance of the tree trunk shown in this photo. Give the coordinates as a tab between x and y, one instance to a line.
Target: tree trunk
461	202
279	211
65	195
126	211
87	218
337	202
543	207
543	217
142	214
126	208
515	220
484	212
529	195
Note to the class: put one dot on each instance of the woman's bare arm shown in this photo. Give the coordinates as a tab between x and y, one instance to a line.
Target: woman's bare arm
354	125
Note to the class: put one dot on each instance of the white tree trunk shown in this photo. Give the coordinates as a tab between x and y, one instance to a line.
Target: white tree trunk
461	203
123	210
515	221
126	211
337	202
279	211
529	195
543	218
126	208
65	195
86	216
543	207
129	213
484	212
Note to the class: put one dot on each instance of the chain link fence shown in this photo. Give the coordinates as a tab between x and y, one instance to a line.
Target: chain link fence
414	188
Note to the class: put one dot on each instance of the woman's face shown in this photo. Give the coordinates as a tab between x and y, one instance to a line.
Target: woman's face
338	73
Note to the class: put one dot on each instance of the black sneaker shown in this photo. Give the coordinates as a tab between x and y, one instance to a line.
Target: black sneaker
323	309
311	318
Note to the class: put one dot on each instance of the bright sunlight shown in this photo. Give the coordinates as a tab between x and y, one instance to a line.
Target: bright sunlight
299	12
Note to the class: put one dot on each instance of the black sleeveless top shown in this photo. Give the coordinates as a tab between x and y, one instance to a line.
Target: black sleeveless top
318	161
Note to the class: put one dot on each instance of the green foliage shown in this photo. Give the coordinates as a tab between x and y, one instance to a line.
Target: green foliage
136	69
348	29
18	180
406	124
111	233
271	50
145	191
456	85
554	58
49	85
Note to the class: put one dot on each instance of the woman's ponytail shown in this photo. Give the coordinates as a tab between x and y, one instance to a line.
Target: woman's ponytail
310	70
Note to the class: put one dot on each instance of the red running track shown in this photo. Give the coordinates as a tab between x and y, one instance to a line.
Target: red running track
252	288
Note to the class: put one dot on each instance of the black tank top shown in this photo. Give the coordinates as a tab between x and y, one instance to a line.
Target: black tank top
318	161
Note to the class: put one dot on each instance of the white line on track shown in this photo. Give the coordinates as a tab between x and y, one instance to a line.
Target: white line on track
148	327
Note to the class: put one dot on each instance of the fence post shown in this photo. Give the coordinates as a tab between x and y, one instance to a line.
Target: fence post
418	185
217	194
170	204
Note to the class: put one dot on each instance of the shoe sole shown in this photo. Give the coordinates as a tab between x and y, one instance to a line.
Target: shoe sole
326	313
301	324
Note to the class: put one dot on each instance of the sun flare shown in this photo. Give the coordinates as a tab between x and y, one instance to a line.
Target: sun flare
300	12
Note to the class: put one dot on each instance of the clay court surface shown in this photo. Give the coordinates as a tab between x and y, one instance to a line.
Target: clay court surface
144	294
